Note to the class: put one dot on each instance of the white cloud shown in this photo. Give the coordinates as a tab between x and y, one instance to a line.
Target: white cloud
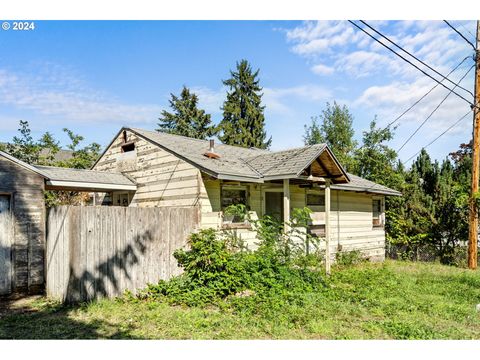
53	92
277	100
321	69
210	100
340	46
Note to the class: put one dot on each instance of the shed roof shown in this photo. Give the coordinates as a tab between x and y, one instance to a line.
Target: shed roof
81	179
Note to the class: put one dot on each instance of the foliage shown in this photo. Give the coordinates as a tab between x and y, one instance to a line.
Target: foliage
238	212
43	152
212	271
391	300
187	119
348	258
335	129
375	160
243	122
23	147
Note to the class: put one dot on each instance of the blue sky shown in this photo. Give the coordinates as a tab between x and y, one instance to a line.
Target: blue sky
96	76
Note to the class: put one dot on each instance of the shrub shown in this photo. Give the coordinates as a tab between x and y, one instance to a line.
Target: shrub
348	258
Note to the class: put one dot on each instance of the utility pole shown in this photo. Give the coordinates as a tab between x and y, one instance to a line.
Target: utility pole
473	214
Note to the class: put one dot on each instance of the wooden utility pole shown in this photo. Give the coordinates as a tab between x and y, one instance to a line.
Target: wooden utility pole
473	213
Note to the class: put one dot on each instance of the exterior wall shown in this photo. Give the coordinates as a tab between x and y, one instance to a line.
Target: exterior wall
162	178
27	205
351	217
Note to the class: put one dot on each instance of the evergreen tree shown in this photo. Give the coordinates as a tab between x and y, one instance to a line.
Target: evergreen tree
243	121
187	119
335	128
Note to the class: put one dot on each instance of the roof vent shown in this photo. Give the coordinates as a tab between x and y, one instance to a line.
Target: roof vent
211	152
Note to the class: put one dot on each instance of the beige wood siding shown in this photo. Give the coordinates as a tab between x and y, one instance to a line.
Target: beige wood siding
351	217
162	178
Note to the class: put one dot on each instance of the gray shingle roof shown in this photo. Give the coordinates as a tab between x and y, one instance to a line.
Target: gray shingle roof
85	176
231	157
285	162
360	184
250	163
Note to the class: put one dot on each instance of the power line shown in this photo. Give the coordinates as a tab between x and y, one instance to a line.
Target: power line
413	56
461	35
465	28
425	95
408	61
439	136
433	112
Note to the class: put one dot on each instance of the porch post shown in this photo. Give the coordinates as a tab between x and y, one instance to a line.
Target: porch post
286	204
327	226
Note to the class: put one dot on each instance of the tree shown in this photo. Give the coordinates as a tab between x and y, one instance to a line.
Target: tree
243	121
23	147
187	119
375	160
335	128
43	151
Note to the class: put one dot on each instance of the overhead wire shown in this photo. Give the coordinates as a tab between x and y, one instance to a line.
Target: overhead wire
409	62
433	111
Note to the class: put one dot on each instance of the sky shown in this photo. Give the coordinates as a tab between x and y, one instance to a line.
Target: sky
94	77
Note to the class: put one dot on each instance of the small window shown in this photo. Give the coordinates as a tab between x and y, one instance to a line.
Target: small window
4	203
233	196
377	213
315	199
128	147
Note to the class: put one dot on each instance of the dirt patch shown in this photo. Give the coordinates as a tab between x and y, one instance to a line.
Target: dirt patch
18	304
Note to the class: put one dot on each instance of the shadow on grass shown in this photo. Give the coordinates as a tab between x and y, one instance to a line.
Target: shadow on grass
39	319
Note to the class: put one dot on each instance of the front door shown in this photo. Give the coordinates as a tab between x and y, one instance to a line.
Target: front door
5	245
274	204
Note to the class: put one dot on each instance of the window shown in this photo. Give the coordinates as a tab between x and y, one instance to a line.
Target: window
315	199
128	147
234	196
377	213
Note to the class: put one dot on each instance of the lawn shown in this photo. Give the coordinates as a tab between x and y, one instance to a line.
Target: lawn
391	300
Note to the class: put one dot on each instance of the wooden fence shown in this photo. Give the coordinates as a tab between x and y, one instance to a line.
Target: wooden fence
102	251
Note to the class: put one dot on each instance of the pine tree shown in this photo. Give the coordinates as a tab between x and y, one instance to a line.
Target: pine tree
187	119
243	121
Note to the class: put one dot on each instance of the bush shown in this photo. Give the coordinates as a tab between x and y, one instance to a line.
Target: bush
348	258
214	272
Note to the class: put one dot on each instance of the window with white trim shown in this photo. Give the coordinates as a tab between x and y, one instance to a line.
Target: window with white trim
377	213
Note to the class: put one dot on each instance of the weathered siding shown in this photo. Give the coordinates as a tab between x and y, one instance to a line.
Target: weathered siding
162	178
351	217
27	248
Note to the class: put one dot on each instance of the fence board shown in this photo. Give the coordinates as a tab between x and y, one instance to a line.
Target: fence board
98	251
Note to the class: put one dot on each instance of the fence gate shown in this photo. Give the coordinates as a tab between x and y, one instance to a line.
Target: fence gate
6	235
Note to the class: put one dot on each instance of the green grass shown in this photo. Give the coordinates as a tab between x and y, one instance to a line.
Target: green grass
393	300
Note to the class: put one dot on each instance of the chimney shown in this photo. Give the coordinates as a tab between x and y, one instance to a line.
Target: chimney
211	152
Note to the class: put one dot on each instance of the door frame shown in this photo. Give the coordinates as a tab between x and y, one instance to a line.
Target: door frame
264	199
10	234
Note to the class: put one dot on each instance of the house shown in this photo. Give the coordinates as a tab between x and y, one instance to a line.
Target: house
141	168
172	170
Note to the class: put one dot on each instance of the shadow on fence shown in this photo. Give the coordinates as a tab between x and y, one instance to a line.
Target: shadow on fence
89	286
